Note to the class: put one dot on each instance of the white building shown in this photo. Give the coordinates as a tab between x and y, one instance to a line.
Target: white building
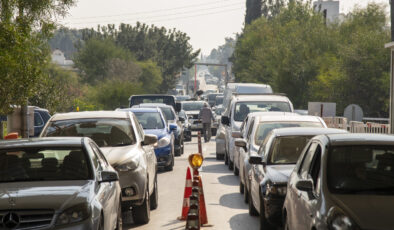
329	8
58	58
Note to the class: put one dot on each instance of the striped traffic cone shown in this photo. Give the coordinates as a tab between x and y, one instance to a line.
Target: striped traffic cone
202	210
186	196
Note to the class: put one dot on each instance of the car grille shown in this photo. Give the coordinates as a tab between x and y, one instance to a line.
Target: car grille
25	219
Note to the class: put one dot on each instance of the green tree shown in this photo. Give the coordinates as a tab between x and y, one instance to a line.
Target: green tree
253	10
25	27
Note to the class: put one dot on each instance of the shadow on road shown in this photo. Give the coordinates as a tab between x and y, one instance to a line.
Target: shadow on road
237	222
232	200
229	180
214	169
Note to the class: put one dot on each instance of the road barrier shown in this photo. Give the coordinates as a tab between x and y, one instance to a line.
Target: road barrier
199	142
356	126
186	196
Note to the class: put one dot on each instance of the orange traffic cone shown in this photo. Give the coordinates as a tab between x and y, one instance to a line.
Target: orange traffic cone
186	196
203	210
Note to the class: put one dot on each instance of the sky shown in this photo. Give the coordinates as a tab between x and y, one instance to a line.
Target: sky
206	22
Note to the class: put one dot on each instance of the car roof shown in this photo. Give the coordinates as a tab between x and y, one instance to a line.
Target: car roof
43	141
89	114
144	110
285	116
295	131
184	102
360	139
261	97
150	105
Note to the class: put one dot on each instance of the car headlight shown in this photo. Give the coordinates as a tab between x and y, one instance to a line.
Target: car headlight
163	142
339	221
278	190
74	214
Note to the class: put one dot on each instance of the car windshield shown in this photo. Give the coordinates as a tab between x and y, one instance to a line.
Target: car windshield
192	106
168	113
106	132
219	100
136	100
264	128
150	120
242	109
286	150
44	164
364	169
211	97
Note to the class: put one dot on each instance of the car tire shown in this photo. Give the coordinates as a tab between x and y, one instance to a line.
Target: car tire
252	209
264	224
236	170
171	166
219	156
241	187
225	159
246	194
141	213
154	197
230	164
213	131
119	220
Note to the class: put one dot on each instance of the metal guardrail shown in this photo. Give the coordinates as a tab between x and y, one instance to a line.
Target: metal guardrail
356	126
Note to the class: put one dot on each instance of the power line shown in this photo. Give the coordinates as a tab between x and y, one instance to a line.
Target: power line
160	17
155	11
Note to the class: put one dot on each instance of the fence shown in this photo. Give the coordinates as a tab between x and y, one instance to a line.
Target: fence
356	126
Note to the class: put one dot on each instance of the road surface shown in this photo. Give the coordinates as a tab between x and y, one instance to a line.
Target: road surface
225	206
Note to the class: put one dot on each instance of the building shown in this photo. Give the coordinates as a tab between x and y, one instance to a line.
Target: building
330	9
59	59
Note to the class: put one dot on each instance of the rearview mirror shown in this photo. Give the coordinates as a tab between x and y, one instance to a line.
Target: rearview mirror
305	185
172	127
236	134
109	176
225	120
256	160
149	139
239	142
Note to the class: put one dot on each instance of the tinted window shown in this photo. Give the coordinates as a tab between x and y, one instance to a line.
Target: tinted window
104	131
266	127
286	150
168	113
44	164
242	109
219	100
150	120
192	106
361	169
38	120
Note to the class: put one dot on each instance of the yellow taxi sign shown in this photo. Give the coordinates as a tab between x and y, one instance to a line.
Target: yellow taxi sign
195	160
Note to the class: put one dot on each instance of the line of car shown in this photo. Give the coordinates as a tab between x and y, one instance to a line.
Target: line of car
295	173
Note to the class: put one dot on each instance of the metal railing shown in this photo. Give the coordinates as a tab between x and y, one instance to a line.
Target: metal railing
356	126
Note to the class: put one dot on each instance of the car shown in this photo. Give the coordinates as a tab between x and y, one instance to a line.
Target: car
57	183
239	107
153	98
342	181
41	117
187	129
272	166
211	98
153	122
180	98
192	110
218	100
126	147
171	118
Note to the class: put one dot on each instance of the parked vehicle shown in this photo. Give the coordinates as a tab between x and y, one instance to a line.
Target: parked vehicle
272	166
153	122
211	98
171	118
41	117
153	98
218	100
237	110
57	183
125	146
192	110
180	98
187	127
342	181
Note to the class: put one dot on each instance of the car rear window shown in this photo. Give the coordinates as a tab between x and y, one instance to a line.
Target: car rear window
286	150
150	120
242	109
44	164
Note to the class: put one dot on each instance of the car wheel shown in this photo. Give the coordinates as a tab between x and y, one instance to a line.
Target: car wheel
230	164
264	224
241	187
246	194
252	209
236	170
219	156
119	220
154	198
225	159
141	213
171	166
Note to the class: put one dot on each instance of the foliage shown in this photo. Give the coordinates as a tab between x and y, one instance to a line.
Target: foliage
271	8
297	54
221	55
24	29
253	10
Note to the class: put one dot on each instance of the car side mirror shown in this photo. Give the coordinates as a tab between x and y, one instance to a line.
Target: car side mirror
173	127
236	134
109	176
305	185
225	120
256	160
239	142
181	119
149	139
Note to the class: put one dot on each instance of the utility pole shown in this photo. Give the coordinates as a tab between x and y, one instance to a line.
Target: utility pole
391	47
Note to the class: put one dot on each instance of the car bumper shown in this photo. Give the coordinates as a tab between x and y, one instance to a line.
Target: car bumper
86	224
273	209
136	181
163	156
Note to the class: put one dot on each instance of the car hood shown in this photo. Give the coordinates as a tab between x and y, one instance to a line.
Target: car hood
368	211
53	195
118	155
279	173
158	132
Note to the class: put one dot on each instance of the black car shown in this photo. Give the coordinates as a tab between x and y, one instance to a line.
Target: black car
41	116
152	98
272	167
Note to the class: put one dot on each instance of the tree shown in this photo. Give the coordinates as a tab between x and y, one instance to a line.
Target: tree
271	8
253	10
25	27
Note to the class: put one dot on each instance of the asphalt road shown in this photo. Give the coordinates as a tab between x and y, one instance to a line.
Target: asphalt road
225	206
